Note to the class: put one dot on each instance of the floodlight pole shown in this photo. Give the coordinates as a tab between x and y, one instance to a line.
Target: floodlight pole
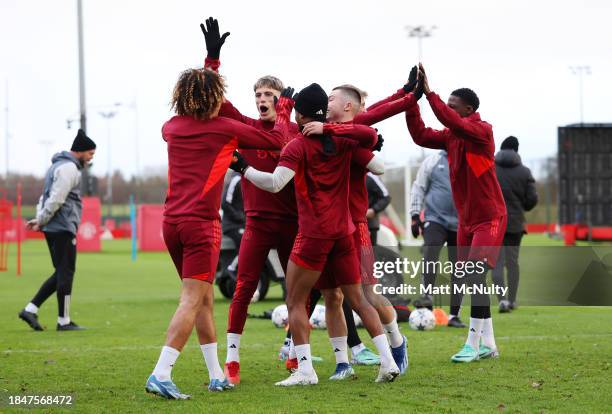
109	115
82	101
6	132
581	71
420	32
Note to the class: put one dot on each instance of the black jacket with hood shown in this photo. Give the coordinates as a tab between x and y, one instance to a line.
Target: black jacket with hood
518	186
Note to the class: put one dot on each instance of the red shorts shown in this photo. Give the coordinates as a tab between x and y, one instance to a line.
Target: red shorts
194	247
481	241
337	257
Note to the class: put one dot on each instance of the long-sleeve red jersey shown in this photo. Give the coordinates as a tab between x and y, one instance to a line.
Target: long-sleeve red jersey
257	202
322	181
470	146
379	111
199	153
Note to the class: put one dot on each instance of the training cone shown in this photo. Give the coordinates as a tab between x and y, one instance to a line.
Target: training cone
441	316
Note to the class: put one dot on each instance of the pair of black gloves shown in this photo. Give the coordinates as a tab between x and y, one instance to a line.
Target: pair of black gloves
414	85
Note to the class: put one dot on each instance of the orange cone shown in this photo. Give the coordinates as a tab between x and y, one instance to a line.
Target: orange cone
441	316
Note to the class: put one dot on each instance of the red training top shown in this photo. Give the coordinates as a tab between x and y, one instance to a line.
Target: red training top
470	146
322	183
379	111
199	153
257	202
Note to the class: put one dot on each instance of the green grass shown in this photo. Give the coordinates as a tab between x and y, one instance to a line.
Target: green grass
554	359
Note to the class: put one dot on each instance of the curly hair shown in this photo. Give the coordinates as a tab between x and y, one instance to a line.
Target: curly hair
197	93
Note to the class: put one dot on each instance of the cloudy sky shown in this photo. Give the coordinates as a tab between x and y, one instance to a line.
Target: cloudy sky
515	54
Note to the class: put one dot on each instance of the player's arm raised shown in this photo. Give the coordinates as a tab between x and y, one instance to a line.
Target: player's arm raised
421	135
364	135
401	92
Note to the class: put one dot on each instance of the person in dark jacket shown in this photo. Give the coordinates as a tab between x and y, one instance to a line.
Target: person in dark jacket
518	187
378	200
58	215
233	219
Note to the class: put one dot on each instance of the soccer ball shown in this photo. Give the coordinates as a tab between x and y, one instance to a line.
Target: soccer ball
422	319
317	320
280	316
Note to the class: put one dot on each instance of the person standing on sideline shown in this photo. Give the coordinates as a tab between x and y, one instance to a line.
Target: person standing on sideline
58	215
433	189
518	187
378	200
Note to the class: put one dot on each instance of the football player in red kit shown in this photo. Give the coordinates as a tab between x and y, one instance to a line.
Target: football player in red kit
469	142
200	146
320	168
345	106
271	219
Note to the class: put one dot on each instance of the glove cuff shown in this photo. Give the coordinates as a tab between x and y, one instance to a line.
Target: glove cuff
212	63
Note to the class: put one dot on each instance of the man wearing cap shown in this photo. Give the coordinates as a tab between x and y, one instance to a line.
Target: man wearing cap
518	187
58	215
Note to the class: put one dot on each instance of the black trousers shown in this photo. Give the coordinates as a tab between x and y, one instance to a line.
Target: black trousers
236	236
62	247
508	258
435	236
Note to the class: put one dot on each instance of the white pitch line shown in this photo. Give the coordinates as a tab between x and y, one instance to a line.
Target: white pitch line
258	345
112	348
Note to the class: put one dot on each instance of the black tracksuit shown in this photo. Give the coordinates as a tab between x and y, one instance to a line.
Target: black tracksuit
518	186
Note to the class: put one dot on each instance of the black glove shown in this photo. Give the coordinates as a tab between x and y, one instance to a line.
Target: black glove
412	80
416	225
213	38
379	143
238	163
418	90
285	93
288	92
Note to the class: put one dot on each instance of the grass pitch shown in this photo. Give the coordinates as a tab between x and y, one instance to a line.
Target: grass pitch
553	359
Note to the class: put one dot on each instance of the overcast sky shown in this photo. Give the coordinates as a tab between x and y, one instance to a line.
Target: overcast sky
514	54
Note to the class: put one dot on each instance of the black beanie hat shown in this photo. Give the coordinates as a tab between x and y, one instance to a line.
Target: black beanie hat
510	143
82	142
312	102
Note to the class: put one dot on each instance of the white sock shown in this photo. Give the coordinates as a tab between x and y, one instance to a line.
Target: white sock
382	346
393	332
339	346
167	358
488	337
292	354
357	349
212	361
63	320
32	308
233	347
473	338
304	359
